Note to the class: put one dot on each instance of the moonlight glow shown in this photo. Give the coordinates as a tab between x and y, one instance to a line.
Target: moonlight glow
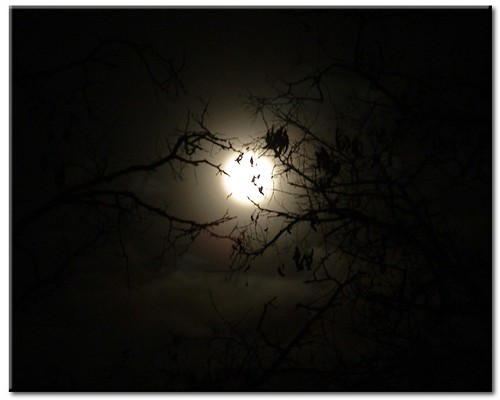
249	177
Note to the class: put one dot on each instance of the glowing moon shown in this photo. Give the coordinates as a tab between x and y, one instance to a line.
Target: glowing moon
249	177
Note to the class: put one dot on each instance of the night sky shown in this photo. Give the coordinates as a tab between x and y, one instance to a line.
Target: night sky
132	271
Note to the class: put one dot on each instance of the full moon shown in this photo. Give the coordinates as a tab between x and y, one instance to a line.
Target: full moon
250	177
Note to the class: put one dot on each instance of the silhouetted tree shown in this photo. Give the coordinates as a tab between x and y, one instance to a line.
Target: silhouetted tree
363	208
90	197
